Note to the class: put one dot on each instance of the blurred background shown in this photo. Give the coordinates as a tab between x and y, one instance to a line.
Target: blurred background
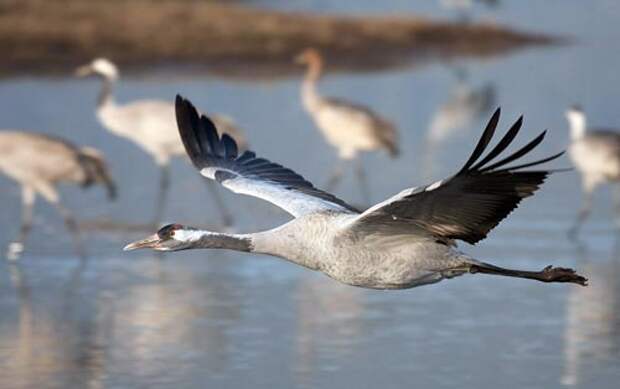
435	69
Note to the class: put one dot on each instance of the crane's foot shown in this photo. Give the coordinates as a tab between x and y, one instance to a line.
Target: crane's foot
562	274
14	251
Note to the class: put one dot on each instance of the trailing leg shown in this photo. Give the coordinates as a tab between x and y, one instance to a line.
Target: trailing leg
548	274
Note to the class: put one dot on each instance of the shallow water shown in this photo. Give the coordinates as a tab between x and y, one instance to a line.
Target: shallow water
223	319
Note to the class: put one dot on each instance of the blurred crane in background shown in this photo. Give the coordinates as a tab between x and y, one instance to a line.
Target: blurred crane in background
150	124
349	127
596	155
38	163
465	105
464	7
455	117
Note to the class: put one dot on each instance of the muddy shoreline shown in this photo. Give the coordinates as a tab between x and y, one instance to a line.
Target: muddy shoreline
42	37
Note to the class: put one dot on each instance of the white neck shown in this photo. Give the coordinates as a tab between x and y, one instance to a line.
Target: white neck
105	98
215	240
309	94
577	123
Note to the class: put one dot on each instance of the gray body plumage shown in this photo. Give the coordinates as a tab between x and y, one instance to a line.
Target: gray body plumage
375	261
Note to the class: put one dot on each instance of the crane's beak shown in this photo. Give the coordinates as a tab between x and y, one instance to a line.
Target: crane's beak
148	243
83	71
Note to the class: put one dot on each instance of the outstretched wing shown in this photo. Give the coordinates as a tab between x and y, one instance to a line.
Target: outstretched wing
217	158
469	204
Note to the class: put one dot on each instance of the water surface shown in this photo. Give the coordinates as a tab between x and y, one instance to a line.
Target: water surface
223	319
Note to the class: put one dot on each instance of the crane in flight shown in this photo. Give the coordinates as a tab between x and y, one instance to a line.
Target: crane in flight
405	241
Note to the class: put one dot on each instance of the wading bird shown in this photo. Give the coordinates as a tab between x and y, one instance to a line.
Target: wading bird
464	106
350	128
150	124
405	241
454	118
596	155
38	163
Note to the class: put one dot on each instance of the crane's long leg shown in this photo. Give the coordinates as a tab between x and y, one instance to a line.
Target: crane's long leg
72	226
583	214
164	184
335	177
49	193
616	199
225	215
16	247
363	181
548	274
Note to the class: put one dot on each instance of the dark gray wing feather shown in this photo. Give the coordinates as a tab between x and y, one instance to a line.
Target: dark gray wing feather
468	205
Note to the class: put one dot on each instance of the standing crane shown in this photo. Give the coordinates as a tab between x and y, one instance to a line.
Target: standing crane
596	155
350	128
405	241
150	125
40	162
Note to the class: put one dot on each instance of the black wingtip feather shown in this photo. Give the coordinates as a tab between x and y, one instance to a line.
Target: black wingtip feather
484	140
186	116
517	154
502	145
200	136
230	146
540	161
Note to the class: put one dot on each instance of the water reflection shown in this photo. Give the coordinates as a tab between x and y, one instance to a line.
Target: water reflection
48	342
592	333
328	325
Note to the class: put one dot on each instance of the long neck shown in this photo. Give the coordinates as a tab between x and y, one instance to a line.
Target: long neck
286	241
216	240
309	94
577	123
105	94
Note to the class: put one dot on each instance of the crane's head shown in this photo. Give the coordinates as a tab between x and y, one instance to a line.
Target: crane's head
100	66
309	56
577	121
172	237
96	170
574	111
